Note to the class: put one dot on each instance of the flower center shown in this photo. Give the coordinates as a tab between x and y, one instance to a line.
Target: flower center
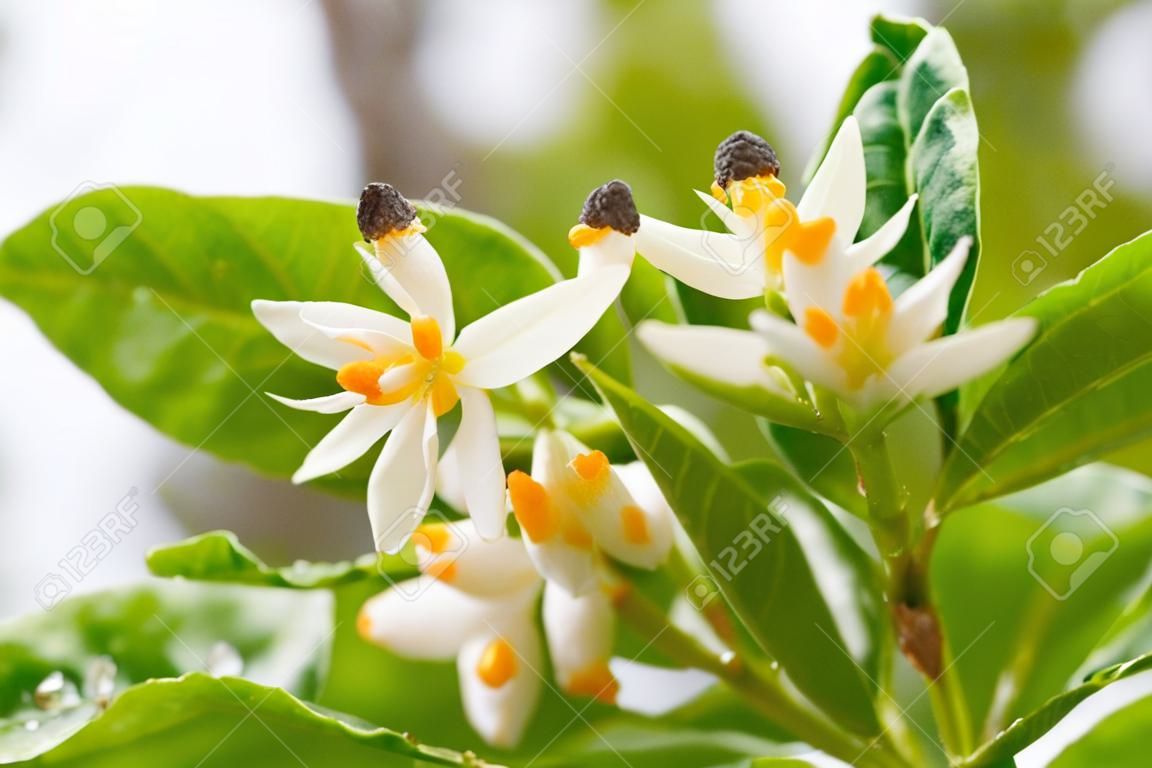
763	197
867	311
386	380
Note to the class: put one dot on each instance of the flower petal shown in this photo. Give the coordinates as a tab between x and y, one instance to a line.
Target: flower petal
716	263
614	249
724	354
500	713
283	320
562	550
401	485
874	247
920	311
580	633
518	339
408	269
791	344
350	439
337	403
943	364
478	464
422	618
838	188
396	340
457	555
744	227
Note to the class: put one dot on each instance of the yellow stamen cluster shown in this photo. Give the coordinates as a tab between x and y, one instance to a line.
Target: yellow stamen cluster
429	374
540	518
867	311
582	235
763	197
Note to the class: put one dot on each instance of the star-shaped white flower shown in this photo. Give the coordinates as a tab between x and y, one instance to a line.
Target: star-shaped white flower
847	333
763	225
398	377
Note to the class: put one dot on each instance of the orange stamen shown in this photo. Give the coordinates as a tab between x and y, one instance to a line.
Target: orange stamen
592	466
532	507
635	525
442	569
595	681
810	239
444	395
362	377
497	663
582	235
867	294
820	326
426	337
434	537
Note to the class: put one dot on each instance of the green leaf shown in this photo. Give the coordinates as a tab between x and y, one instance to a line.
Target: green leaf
1028	587
910	97
1119	739
1077	392
201	720
768	575
219	556
1031	727
820	462
163	323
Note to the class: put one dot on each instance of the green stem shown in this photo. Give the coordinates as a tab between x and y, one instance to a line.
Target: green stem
763	691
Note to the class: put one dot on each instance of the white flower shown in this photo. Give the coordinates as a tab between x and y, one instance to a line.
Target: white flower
575	507
476	603
848	335
399	377
748	261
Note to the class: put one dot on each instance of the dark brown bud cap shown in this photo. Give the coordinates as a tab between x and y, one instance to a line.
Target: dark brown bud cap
382	211
744	155
611	205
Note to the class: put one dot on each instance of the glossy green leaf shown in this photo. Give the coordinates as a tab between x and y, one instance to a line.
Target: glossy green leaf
1120	739
163	322
910	96
1032	726
822	463
1077	392
1029	586
201	720
219	556
756	563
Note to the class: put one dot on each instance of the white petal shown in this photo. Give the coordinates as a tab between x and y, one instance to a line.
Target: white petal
724	354
580	633
501	714
282	319
456	554
718	264
335	314
556	558
838	188
920	311
874	247
617	523
642	485
520	338
614	249
742	226
478	464
818	285
337	403
942	365
350	439
401	486
393	342
422	618
794	346
409	270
